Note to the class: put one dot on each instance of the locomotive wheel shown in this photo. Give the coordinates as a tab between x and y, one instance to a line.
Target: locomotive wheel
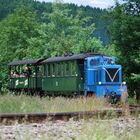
90	94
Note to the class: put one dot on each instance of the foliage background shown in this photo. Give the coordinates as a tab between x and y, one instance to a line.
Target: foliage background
125	33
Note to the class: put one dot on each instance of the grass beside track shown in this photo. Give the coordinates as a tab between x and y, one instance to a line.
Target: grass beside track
23	104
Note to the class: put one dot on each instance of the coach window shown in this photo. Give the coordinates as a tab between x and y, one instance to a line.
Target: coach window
53	70
67	68
43	69
48	70
59	69
73	68
70	68
62	68
15	72
56	69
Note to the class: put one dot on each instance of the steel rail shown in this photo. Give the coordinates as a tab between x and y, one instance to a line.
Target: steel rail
135	106
10	118
128	105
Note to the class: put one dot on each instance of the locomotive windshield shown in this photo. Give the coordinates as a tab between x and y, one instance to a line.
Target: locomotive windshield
108	60
102	60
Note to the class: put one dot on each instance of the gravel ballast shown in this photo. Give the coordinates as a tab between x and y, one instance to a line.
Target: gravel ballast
71	130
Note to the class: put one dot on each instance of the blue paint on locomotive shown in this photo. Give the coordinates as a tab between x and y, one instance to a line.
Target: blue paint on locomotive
103	77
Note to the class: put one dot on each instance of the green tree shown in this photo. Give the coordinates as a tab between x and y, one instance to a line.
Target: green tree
17	33
126	36
136	77
66	33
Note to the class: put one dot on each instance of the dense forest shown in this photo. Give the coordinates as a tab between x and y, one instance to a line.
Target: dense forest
96	14
31	29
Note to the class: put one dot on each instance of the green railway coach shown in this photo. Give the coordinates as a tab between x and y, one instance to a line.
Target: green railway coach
25	76
64	75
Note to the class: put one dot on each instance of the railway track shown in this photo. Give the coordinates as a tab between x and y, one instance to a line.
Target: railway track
134	106
11	118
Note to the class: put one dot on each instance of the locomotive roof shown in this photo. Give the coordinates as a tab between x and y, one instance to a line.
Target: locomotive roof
71	57
25	62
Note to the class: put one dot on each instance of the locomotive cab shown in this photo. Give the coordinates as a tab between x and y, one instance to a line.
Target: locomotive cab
103	77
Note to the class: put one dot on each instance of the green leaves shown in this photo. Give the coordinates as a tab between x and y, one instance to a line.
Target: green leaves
126	36
17	31
136	77
66	33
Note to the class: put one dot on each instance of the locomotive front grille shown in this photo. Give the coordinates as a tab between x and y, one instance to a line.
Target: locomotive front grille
112	74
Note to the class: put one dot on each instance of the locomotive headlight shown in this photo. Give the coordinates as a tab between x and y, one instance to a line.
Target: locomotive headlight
124	83
100	82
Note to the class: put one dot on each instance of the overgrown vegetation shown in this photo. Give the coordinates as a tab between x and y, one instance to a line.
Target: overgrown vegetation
22	103
106	130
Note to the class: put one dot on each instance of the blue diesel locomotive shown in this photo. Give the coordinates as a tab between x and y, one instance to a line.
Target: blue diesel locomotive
103	77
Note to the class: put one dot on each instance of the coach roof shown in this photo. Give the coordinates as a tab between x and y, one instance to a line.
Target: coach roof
70	57
25	62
